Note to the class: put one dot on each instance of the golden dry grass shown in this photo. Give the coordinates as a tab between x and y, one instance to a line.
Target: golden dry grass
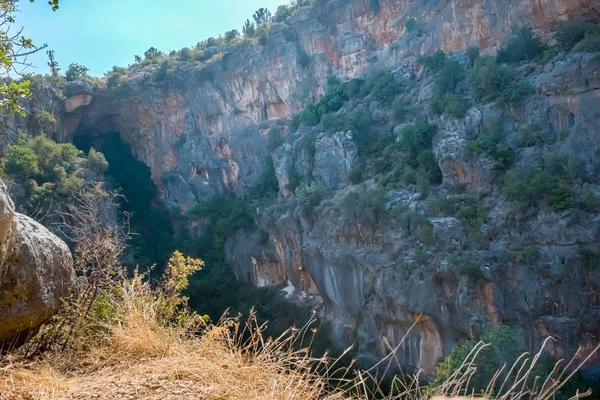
137	355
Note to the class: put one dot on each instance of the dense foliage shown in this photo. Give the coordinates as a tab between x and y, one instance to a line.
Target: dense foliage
49	171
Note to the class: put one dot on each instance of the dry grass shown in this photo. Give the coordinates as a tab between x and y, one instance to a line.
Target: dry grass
137	353
139	356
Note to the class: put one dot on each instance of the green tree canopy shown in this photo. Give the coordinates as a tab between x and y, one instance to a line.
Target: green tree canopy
76	72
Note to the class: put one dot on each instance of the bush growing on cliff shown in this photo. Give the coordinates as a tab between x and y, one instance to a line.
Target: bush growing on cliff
522	45
572	35
21	162
97	162
46	170
434	62
417	138
528	188
382	86
504	348
363	205
487	79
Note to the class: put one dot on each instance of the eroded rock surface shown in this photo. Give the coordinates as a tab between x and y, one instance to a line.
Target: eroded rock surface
36	272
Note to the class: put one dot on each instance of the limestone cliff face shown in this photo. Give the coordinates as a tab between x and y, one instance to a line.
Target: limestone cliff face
203	132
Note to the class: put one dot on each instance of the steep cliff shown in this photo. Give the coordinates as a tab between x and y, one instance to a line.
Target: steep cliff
200	128
203	131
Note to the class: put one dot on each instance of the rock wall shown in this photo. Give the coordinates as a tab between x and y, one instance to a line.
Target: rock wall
377	277
36	273
202	131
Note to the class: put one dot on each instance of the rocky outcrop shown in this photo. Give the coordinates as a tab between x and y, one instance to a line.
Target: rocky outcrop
36	272
378	278
201	129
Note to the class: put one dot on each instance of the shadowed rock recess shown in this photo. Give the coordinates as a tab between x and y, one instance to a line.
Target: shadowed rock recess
204	133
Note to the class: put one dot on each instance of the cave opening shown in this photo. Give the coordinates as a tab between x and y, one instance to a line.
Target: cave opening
150	222
157	232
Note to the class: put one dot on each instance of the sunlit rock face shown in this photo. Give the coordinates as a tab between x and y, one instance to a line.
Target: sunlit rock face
204	133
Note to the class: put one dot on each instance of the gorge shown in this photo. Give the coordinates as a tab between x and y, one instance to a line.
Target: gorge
352	232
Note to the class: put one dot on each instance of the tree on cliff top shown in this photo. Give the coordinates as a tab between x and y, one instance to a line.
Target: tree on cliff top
262	16
76	72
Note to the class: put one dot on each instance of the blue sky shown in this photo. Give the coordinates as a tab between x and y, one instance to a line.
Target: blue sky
103	33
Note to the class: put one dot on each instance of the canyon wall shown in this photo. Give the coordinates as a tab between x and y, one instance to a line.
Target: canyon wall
202	130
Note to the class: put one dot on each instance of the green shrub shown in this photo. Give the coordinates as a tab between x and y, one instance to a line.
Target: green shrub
570	167
418	137
410	24
590	43
472	54
333	100
522	45
589	202
363	205
356	174
231	35
487	79
504	348
332	123
310	195
560	198
310	116
45	121
262	33
353	88
426	234
185	54
21	162
531	135
428	165
248	29
399	110
453	105
97	162
383	87
76	72
282	13
569	35
469	267
451	73
527	188
434	62
514	92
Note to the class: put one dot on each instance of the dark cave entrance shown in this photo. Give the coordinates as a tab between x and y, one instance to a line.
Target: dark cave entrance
152	238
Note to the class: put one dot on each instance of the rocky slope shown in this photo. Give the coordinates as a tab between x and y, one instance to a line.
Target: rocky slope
36	273
378	278
202	130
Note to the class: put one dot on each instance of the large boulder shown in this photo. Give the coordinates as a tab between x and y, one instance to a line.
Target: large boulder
36	272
